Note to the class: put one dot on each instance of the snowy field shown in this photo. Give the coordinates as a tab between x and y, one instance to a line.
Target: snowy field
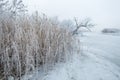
99	60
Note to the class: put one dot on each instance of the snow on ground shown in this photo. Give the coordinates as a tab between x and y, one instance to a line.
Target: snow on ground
99	60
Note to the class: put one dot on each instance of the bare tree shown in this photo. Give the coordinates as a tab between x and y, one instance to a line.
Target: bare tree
85	23
12	8
3	5
17	7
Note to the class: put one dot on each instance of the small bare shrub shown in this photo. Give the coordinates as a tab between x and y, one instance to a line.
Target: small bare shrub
110	30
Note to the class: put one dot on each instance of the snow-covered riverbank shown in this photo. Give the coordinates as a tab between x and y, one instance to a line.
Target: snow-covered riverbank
99	60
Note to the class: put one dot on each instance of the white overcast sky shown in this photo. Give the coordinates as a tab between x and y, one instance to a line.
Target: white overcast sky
105	13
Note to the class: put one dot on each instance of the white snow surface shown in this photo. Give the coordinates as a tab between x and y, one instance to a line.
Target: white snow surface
98	60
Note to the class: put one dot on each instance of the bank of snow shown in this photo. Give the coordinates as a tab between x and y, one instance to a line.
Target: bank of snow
99	60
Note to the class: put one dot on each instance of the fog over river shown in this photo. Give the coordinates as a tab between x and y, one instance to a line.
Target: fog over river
104	13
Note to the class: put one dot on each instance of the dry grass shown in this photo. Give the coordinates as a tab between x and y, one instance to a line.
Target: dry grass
28	43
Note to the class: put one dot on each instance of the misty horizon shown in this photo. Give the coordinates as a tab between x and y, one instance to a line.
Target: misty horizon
104	13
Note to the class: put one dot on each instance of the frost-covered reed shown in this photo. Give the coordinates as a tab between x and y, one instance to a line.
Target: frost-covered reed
30	42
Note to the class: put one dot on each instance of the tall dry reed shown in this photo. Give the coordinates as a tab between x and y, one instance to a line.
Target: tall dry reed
30	42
